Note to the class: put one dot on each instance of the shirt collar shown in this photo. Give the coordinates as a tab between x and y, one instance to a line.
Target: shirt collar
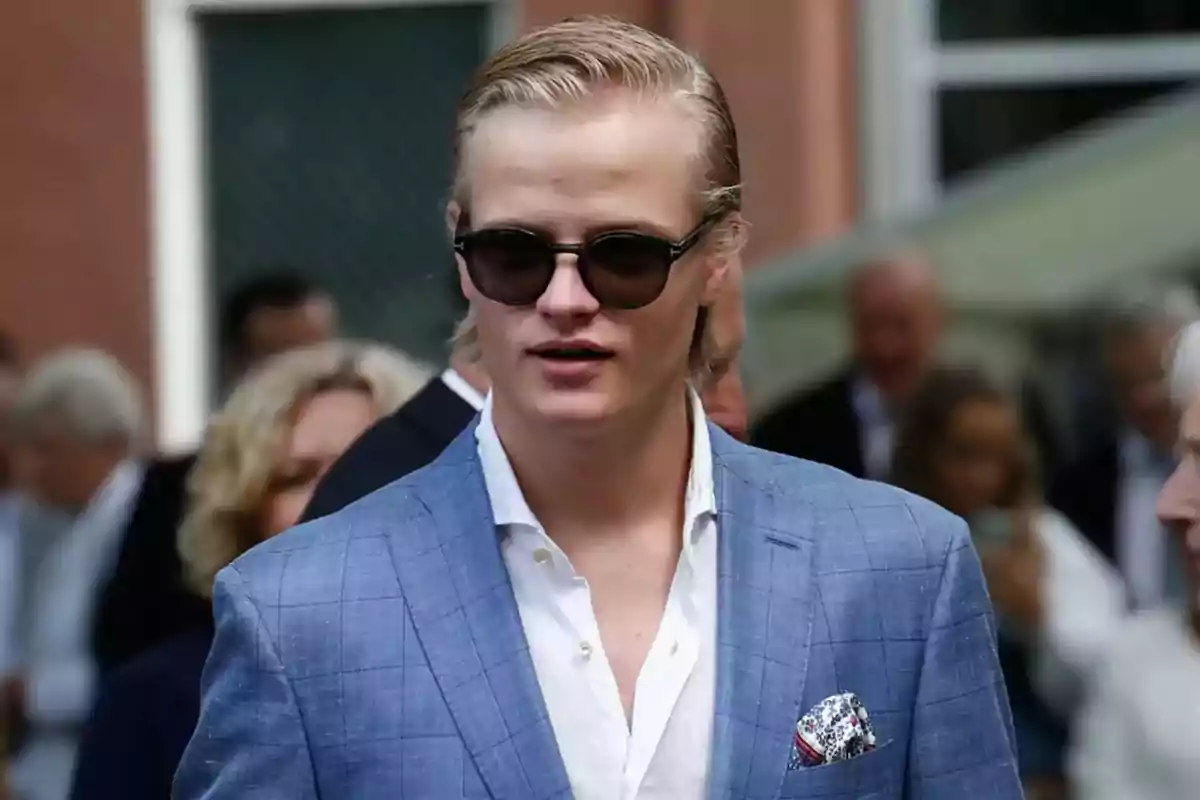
508	502
868	402
458	384
1140	455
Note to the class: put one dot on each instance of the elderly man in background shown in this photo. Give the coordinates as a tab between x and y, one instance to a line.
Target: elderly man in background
896	319
1108	492
1140	716
78	426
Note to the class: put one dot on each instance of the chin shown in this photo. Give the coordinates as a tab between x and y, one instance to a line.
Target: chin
573	408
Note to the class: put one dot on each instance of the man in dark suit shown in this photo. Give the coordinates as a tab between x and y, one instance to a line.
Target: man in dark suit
896	320
145	601
1109	490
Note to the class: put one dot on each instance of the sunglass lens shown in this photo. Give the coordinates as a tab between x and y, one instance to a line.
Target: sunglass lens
509	266
627	270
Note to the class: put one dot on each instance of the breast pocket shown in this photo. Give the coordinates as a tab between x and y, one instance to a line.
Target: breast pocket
878	775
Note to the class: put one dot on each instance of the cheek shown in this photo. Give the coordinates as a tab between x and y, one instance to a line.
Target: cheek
497	327
662	336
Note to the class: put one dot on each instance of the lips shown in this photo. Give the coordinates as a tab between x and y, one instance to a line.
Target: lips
568	352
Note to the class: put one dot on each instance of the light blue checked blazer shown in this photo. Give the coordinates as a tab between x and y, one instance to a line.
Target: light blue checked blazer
378	652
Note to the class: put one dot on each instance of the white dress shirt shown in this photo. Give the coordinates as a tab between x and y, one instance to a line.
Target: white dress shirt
1141	544
1137	736
665	753
458	384
875	429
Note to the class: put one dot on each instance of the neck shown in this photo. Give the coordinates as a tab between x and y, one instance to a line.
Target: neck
632	469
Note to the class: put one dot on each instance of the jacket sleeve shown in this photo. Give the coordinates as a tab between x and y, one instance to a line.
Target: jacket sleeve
962	741
250	742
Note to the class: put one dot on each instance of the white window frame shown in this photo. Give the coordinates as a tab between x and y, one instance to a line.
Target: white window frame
179	236
903	67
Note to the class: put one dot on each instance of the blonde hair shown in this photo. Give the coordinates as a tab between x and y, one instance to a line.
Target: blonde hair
245	440
569	62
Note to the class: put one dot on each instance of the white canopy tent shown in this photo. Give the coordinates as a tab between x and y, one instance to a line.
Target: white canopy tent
1035	237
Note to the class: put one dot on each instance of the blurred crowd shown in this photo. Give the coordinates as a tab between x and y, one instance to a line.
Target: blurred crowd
108	553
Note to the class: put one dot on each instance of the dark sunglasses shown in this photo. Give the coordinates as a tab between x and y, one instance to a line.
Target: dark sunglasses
621	269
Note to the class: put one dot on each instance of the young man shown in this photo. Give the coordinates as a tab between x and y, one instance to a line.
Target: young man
594	593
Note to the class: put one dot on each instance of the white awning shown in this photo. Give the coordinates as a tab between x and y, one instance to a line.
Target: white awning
1045	233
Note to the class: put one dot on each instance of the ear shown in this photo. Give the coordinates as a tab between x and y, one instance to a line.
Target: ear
453	215
718	273
725	263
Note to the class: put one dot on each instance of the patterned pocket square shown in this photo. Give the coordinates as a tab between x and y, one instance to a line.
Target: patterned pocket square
836	729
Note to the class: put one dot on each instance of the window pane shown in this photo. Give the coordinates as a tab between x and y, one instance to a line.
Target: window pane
329	148
960	20
980	127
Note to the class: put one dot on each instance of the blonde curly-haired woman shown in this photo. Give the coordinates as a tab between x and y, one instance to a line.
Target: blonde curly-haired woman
264	452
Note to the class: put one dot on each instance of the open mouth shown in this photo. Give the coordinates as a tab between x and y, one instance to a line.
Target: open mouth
571	353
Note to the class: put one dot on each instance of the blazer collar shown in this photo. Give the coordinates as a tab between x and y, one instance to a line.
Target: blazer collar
458	592
765	595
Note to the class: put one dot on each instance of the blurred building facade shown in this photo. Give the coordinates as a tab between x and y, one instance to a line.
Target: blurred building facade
161	150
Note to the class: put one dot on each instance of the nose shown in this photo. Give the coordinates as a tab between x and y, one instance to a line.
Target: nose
567	296
1179	500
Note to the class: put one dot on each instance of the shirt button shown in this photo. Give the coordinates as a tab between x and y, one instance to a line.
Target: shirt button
541	555
585	650
674	648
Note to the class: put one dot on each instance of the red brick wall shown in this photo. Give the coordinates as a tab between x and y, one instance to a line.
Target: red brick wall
73	231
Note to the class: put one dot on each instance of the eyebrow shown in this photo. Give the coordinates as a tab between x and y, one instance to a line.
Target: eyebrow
592	231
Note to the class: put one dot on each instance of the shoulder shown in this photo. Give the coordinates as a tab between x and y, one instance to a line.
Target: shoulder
851	519
833	391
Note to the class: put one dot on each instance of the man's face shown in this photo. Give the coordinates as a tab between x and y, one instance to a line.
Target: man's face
271	331
610	164
59	470
1179	500
1136	367
895	321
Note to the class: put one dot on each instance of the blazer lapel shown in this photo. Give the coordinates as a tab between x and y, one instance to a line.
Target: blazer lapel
765	614
465	615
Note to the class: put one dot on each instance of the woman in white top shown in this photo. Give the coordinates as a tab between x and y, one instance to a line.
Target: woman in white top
962	444
1131	680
